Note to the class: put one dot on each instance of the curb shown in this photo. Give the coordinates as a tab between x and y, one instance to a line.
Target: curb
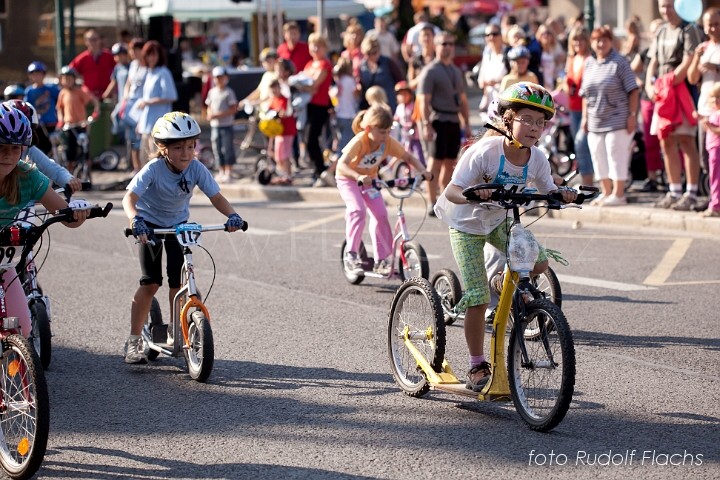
633	215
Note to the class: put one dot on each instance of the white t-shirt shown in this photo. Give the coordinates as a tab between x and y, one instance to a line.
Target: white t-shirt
347	105
485	162
710	55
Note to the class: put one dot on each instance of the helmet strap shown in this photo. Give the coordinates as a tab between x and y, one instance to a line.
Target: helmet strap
505	134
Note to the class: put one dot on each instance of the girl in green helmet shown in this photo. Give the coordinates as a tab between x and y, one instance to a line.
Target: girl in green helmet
505	155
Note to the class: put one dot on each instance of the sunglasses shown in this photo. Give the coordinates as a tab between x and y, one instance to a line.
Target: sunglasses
492	34
448	44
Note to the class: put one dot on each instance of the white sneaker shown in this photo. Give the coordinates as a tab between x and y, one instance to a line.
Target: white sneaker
382	267
614	201
353	263
135	350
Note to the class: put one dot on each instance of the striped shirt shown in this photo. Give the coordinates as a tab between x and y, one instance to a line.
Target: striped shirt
605	87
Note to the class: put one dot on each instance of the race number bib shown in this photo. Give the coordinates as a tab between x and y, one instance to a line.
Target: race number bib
9	257
188	234
372	159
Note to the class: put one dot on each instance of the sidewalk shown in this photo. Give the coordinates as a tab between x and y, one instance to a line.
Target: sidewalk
638	213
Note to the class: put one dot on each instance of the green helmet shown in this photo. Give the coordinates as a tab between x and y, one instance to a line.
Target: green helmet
527	95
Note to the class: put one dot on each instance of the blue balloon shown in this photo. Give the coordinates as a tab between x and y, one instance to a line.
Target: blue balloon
689	10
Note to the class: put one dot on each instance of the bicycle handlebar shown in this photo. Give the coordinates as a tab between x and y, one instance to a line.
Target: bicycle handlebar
67	192
509	198
203	228
27	235
410	184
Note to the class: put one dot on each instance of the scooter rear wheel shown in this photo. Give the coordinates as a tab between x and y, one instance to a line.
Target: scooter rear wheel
415	309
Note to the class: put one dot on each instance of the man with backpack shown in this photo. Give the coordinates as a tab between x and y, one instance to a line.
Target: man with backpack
670	56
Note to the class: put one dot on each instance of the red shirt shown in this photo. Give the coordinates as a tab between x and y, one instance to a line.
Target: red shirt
299	56
281	104
96	72
322	94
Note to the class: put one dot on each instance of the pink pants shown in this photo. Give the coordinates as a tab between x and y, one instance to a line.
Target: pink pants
16	302
356	204
714	175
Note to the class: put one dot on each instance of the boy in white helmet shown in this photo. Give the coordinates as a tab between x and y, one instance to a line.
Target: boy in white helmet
159	197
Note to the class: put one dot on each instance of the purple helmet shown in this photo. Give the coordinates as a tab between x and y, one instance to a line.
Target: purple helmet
26	108
15	127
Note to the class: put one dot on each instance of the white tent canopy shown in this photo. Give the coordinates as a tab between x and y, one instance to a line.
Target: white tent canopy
186	10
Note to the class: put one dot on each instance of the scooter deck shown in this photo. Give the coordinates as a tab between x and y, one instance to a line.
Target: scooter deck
460	389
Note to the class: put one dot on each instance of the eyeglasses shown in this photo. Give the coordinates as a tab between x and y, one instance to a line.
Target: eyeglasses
492	34
529	122
448	44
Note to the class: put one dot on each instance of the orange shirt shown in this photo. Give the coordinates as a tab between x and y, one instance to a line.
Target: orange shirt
366	161
72	102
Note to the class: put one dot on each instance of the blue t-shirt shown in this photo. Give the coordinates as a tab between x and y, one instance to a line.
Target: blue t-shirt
164	196
32	186
120	75
159	83
44	99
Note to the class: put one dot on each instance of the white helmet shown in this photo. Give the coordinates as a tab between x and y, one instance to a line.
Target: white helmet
175	126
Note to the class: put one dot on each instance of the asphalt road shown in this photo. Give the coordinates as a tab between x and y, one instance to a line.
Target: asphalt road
302	386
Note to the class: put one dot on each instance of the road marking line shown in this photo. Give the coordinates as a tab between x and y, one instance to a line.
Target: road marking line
321	221
594	282
670	260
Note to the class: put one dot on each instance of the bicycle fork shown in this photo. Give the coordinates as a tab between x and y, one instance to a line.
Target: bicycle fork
181	317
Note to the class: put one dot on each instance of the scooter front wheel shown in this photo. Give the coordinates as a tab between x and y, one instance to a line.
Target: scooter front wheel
448	287
200	354
417	262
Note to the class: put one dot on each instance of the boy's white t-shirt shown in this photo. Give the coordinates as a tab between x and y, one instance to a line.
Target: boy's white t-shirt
347	102
481	164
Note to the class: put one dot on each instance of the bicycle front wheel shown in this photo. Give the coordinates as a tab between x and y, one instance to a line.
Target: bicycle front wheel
200	355
542	388
41	333
24	409
416	312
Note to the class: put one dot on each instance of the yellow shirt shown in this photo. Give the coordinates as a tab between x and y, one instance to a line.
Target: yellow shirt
366	161
513	78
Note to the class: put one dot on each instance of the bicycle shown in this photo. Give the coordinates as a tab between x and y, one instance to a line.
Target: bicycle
411	258
24	403
39	303
190	319
539	376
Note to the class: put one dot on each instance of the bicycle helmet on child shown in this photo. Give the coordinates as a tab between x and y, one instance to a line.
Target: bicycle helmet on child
36	66
68	70
527	95
175	126
15	90
26	108
15	127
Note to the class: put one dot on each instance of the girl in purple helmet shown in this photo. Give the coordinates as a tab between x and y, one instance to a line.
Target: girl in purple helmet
20	184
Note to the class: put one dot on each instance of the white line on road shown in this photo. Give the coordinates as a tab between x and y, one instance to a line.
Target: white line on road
594	282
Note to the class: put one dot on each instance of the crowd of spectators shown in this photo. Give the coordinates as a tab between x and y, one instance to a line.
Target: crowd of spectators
616	92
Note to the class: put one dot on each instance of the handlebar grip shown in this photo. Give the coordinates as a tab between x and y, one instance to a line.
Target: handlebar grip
127	232
243	228
100	211
469	192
